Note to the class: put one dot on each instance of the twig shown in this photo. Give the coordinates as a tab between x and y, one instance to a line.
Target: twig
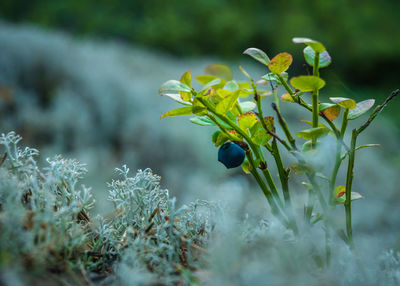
377	110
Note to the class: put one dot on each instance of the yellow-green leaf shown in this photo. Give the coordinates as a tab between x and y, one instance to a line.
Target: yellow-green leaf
186	79
206	78
344	102
269	122
287	97
247	120
307	83
261	137
280	63
198	108
311	133
367	146
227	103
316	46
219	70
339	191
178	112
353	196
246	166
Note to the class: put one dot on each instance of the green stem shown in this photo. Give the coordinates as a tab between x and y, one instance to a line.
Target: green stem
285	127
212	118
316	65
287	87
232	125
349	181
302	103
318	192
283	174
267	192
315	103
270	181
253	147
338	159
345	120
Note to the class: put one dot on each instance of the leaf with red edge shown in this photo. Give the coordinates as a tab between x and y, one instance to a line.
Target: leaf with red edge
280	63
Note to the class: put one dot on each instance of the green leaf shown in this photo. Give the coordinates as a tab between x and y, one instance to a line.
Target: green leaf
178	112
274	77
206	78
173	86
316	46
219	70
245	92
258	55
307	83
202	120
186	79
308	146
261	137
247	120
269	122
344	102
331	111
320	124
221	139
354	196
339	191
324	106
287	97
227	103
280	63
231	86
301	169
361	108
211	83
177	98
324	57
215	136
367	146
247	106
311	133
246	166
198	108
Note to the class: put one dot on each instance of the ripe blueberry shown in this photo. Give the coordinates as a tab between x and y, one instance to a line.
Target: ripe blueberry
231	155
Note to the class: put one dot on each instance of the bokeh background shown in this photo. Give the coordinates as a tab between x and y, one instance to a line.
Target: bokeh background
80	78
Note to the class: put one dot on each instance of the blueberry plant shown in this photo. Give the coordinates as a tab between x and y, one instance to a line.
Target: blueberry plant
245	135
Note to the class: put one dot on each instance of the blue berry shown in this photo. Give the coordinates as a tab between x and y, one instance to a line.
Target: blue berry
231	155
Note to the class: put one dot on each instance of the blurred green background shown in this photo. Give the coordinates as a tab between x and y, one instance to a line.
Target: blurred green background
362	36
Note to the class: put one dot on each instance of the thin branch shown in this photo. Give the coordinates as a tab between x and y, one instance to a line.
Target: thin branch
377	110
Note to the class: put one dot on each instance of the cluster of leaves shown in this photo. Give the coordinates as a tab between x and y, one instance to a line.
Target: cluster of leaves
219	102
45	224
